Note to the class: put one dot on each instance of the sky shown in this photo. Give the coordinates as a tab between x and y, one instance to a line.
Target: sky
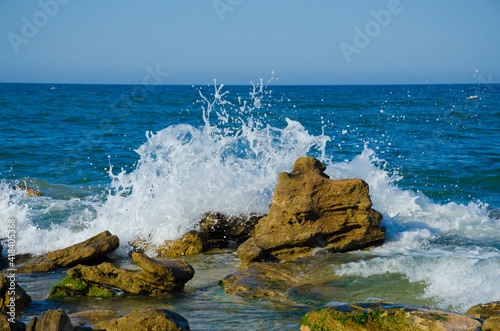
294	42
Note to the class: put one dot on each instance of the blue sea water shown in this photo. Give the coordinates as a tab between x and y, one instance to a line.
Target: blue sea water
148	161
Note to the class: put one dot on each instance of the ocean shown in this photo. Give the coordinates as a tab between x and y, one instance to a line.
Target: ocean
148	161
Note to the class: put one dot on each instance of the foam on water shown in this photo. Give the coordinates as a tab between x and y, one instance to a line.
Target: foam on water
186	171
449	247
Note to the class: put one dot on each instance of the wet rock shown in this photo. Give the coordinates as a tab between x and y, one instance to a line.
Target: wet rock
216	230
8	326
76	287
220	231
30	192
37	266
264	279
146	319
156	277
309	211
51	320
93	317
90	249
87	251
8	302
485	311
489	312
492	323
386	316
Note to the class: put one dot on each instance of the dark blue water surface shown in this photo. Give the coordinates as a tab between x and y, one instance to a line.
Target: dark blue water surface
440	141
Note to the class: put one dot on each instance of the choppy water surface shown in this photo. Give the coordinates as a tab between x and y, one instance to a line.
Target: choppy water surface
149	164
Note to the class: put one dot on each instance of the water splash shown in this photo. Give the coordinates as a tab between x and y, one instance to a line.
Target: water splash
229	165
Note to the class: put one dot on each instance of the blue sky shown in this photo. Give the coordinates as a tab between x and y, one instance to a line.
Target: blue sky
238	41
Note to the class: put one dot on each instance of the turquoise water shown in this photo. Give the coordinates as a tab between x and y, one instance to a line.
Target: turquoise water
148	161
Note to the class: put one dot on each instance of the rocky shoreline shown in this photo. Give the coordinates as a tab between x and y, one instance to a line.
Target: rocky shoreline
310	216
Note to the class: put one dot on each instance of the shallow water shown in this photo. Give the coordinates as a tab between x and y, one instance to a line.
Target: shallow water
149	165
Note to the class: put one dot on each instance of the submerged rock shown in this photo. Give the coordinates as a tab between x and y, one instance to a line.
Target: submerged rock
30	192
310	211
386	316
156	277
216	230
146	319
93	317
264	279
8	302
87	251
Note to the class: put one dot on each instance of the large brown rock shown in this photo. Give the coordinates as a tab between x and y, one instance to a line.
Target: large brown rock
145	320
386	316
156	277
12	303
309	211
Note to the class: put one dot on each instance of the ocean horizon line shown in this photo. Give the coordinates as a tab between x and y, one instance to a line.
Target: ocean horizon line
250	84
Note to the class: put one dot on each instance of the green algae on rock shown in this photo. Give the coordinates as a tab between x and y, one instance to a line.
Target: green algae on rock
386	316
77	287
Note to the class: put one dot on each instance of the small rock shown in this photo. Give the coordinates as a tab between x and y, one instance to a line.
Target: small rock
51	320
216	230
146	319
492	323
485	311
386	316
18	302
37	266
30	192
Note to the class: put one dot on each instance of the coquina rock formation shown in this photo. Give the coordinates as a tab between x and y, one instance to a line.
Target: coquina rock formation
87	251
309	211
156	277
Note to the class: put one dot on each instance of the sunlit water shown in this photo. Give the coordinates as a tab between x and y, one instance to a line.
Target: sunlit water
148	165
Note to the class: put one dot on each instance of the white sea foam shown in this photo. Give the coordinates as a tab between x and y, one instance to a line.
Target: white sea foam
456	276
185	171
